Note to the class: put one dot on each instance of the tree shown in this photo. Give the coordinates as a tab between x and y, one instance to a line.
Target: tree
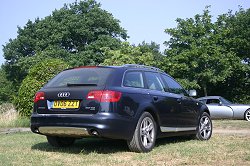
6	90
142	54
235	35
38	75
75	33
194	53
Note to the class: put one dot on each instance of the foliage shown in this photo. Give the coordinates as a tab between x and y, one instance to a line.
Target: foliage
196	53
236	38
210	56
5	107
6	89
75	33
143	54
37	77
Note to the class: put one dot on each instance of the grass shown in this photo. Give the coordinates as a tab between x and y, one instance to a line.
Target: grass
32	149
10	118
231	124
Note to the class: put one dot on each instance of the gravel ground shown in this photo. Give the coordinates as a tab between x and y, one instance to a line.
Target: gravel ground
243	132
13	130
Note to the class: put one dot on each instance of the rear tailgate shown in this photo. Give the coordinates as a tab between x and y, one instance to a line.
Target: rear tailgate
68	101
67	93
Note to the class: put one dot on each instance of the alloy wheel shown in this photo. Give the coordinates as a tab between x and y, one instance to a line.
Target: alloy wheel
205	127
247	115
147	133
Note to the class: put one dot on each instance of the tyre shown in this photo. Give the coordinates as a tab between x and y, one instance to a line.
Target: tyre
60	141
204	130
247	115
144	135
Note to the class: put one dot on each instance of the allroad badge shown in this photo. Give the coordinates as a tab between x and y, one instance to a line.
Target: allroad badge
63	94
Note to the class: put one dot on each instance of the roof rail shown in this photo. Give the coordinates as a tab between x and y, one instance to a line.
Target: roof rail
142	66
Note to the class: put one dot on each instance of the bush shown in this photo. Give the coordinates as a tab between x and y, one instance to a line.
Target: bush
36	78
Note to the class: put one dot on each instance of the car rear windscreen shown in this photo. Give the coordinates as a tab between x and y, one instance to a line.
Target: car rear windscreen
80	77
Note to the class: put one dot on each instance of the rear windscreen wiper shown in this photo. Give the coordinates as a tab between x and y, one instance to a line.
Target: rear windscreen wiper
80	84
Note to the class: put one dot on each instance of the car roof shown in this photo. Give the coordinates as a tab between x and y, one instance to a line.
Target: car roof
126	66
209	97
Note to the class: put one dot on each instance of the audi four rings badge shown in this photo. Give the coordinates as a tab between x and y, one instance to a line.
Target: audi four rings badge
63	94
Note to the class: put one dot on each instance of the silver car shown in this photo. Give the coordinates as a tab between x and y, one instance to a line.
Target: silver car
221	108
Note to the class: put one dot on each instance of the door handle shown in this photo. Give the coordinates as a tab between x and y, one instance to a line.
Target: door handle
155	98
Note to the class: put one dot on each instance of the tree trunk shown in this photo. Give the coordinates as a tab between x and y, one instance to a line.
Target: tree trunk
205	89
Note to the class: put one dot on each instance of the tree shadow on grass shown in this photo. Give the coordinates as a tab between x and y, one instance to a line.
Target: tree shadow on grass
86	145
100	146
169	140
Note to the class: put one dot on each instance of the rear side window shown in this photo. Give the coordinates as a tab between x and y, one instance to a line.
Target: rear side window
133	79
153	81
81	76
173	86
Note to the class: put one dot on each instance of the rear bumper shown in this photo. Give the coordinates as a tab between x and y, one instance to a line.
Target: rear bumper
63	131
108	125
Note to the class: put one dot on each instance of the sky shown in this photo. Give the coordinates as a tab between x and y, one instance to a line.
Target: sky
144	20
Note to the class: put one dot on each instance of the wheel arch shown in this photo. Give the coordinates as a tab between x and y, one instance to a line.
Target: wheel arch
207	111
149	108
204	108
154	114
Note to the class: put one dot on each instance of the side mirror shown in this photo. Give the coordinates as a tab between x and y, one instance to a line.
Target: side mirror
220	104
192	93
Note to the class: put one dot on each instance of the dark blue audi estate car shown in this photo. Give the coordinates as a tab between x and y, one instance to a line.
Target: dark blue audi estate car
135	103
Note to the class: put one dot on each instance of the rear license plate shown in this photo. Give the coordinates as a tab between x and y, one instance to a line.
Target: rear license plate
64	104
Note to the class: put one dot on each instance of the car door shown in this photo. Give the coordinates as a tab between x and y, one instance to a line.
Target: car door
187	107
218	110
165	103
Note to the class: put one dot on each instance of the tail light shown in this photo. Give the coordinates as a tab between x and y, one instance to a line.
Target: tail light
39	96
104	96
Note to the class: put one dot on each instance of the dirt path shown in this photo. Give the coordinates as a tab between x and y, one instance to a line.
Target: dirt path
243	132
13	130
